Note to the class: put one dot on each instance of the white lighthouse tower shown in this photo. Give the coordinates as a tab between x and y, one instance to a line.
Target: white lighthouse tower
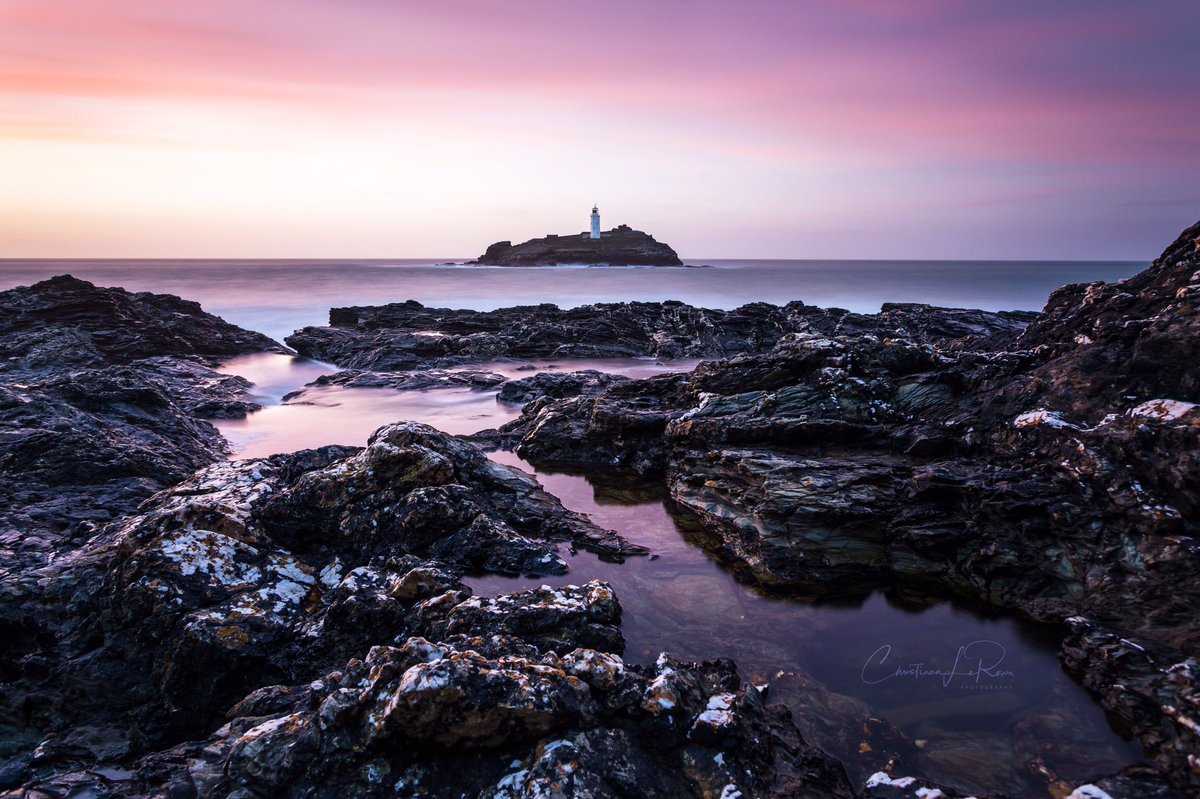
595	222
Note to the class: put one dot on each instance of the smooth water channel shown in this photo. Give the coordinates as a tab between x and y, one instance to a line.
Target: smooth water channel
981	697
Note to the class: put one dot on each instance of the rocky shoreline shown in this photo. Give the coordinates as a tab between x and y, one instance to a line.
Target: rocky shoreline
102	393
1052	474
409	336
179	625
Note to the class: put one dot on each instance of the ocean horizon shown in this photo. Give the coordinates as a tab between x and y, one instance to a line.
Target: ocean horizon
277	296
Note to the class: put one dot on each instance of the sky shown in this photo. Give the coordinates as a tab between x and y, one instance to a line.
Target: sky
1006	129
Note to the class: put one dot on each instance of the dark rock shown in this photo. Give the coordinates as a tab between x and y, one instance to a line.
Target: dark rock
255	572
298	625
621	246
285	616
442	719
1052	472
64	323
101	393
407	336
556	385
410	381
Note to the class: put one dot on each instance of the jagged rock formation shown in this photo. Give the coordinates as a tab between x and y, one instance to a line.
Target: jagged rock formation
296	626
403	336
1054	473
101	396
621	246
299	625
556	385
66	322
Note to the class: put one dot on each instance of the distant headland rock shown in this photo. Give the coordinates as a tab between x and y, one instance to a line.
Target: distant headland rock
621	246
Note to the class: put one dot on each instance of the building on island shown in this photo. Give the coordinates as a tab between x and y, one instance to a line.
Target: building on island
595	222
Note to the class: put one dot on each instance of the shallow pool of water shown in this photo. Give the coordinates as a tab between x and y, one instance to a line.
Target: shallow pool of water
337	415
981	695
980	699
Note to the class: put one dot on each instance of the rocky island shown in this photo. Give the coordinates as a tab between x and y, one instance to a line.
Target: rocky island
621	246
302	625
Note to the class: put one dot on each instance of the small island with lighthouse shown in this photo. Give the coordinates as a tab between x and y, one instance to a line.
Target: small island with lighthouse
621	246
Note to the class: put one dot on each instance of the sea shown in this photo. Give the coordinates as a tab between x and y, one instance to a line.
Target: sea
978	696
277	296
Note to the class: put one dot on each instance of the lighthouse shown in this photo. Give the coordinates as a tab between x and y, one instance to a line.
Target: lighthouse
595	222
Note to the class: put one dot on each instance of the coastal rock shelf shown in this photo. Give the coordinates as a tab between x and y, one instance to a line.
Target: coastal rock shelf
297	626
102	393
621	246
1054	473
180	625
407	335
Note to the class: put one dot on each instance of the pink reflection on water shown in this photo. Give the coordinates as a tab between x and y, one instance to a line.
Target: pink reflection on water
337	415
683	601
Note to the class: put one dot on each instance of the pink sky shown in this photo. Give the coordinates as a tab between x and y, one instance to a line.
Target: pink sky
378	128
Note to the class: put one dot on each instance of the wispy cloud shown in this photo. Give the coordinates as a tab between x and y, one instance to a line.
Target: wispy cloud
938	121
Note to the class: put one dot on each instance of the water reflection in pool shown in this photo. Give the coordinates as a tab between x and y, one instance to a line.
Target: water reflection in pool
980	696
980	699
337	415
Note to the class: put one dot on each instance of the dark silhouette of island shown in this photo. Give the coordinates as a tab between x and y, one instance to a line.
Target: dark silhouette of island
621	246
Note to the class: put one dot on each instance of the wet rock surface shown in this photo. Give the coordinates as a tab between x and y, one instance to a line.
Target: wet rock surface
65	321
556	385
423	380
102	393
621	246
298	626
102	399
405	336
1051	472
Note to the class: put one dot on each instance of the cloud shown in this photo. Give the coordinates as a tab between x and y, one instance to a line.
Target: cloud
989	105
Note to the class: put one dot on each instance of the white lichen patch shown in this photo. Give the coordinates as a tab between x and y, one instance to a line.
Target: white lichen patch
424	651
1042	417
222	559
883	778
568	599
598	669
705	398
283	594
222	493
662	694
331	575
424	677
718	712
1163	410
288	568
810	341
511	785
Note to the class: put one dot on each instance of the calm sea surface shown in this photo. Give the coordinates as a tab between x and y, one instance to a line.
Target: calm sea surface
276	297
979	696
